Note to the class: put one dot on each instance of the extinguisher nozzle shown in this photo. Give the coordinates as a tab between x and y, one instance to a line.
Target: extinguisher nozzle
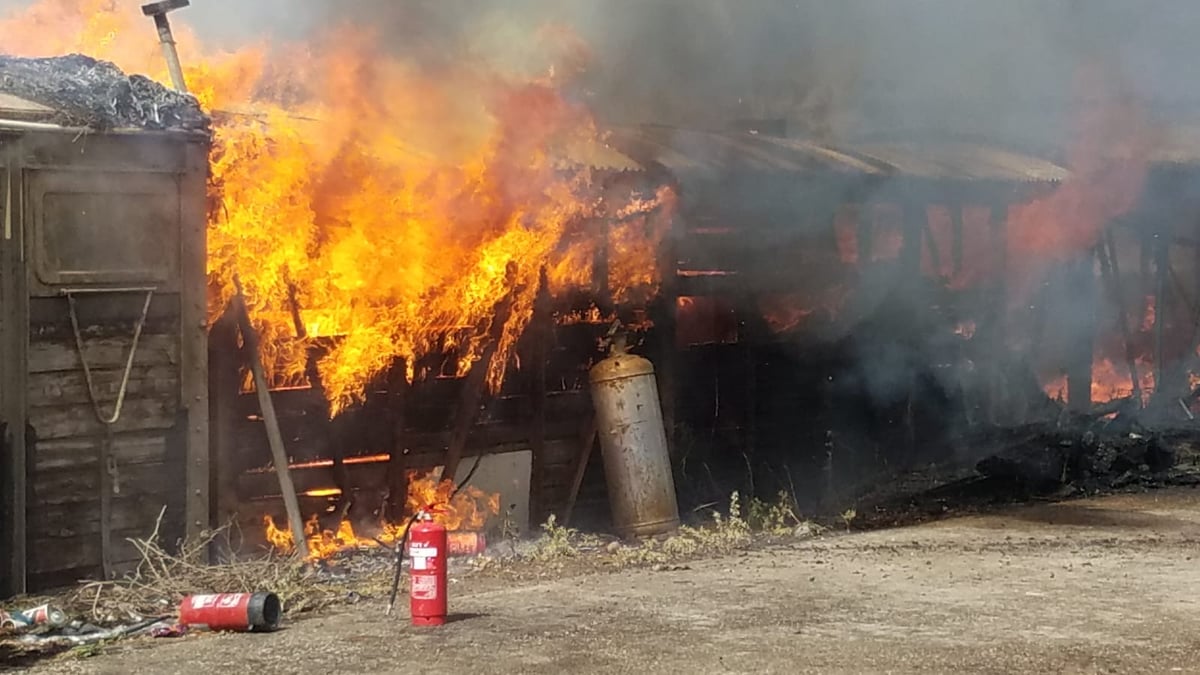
266	612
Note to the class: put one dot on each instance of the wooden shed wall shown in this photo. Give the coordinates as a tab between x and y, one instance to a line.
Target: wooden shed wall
247	488
112	218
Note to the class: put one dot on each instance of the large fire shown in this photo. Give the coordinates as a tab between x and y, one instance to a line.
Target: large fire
393	207
468	509
1109	162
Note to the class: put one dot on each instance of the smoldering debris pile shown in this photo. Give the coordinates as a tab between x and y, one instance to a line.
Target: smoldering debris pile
1094	459
85	92
1068	457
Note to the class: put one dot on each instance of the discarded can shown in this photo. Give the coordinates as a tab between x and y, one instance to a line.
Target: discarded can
166	630
6	621
242	612
465	543
47	615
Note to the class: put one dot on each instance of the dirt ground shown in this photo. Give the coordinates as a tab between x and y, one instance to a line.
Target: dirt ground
1104	585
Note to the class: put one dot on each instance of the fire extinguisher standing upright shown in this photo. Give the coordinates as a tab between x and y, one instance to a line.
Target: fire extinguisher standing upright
427	549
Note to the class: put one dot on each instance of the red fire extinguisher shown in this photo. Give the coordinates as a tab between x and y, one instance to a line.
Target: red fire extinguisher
427	549
232	611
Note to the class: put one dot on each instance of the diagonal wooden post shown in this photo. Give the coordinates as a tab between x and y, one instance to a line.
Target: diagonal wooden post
274	437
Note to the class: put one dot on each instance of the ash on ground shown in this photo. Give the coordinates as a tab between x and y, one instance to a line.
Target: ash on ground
1057	460
84	92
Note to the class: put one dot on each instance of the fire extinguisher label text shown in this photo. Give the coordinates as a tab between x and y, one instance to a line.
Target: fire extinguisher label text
202	601
424	587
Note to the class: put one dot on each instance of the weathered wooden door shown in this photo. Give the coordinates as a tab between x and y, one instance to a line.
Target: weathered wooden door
103	390
13	328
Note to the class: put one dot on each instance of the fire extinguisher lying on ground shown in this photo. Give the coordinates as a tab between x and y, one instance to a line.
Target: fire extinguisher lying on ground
428	551
254	612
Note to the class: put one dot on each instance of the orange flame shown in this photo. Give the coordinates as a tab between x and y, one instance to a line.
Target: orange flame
401	205
1109	162
470	509
1150	316
1110	381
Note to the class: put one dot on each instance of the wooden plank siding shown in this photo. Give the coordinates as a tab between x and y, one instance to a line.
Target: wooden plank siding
65	474
503	425
560	454
102	218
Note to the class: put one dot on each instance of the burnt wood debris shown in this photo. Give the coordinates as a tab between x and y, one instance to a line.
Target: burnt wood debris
84	92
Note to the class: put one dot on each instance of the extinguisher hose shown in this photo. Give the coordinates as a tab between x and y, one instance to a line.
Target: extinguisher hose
408	528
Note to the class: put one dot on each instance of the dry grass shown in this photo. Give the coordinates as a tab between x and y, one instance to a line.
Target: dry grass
739	528
163	578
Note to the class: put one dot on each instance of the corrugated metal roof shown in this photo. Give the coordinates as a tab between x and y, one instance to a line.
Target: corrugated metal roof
1178	145
691	151
960	161
599	155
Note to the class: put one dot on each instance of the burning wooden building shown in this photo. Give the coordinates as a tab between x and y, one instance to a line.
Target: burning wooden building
847	311
428	285
815	281
824	315
103	398
359	471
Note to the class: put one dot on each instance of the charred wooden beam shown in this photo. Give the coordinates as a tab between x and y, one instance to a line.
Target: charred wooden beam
664	313
1117	405
224	377
278	452
935	254
1179	349
1161	263
1081	280
916	223
601	290
193	311
397	470
542	327
996	330
1110	270
15	487
475	386
1185	302
333	450
753	334
587	441
1192	363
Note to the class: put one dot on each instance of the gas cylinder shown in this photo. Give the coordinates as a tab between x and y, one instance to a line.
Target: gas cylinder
427	550
633	444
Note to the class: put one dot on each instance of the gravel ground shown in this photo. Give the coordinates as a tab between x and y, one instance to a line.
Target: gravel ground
1103	585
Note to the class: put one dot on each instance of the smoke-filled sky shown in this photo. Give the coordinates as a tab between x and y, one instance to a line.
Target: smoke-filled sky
998	67
984	66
